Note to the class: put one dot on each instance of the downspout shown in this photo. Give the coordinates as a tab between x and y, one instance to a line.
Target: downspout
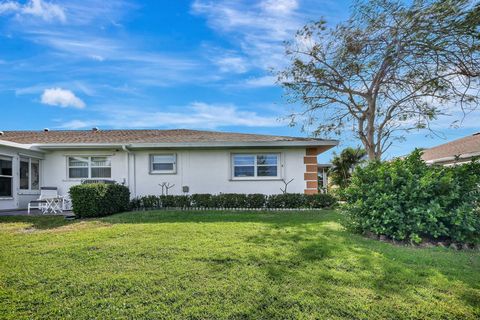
134	178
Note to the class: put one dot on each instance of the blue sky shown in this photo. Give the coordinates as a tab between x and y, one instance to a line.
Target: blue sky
199	64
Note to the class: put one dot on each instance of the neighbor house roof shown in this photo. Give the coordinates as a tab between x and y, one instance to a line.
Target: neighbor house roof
177	137
466	147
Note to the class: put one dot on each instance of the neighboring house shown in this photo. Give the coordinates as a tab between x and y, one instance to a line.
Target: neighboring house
454	152
193	161
322	170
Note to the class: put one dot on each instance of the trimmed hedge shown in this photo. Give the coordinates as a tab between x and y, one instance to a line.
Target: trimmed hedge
407	200
235	200
100	199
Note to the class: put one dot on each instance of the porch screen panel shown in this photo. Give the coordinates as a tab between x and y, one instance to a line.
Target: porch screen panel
24	173
35	174
6	178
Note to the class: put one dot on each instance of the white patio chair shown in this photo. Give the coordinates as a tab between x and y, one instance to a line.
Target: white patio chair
41	203
66	203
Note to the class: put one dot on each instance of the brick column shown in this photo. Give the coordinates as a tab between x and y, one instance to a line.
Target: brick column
311	170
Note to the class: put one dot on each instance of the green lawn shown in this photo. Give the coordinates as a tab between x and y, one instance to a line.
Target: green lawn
211	265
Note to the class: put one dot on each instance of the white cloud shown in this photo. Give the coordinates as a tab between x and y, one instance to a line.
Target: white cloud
195	115
280	7
46	10
259	29
265	81
9	6
77	124
62	98
232	64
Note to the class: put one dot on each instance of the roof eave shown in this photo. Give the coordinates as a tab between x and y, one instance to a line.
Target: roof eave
21	146
183	145
453	158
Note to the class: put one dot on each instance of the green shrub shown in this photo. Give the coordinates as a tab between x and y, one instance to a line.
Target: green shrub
167	201
405	199
256	200
150	202
173	201
234	200
230	200
321	200
99	199
286	200
201	200
136	203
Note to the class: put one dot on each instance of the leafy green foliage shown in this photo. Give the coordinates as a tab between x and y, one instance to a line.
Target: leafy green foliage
343	165
230	200
286	200
392	67
256	200
99	199
235	200
201	200
320	200
405	199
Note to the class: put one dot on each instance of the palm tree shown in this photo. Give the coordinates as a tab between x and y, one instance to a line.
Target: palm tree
343	165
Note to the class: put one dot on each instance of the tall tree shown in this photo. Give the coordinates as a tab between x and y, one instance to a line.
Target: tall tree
389	69
343	165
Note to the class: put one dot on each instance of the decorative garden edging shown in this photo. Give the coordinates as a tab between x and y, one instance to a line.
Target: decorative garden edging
229	209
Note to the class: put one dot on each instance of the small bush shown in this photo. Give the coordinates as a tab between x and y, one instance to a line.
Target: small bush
230	200
286	200
321	200
405	199
99	199
201	200
150	202
256	200
174	201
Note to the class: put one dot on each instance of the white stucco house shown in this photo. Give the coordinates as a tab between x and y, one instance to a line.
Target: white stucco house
193	161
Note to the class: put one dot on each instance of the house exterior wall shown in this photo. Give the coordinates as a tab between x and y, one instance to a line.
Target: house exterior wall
203	171
20	198
210	171
55	167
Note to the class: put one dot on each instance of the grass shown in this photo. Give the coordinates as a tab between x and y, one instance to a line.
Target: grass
213	265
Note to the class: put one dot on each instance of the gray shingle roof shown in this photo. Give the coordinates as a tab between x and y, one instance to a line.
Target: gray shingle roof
140	136
463	146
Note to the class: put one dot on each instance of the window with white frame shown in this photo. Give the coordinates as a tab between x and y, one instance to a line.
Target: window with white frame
256	165
6	177
86	167
163	163
29	174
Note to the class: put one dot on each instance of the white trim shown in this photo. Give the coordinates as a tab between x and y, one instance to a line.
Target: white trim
29	189
89	167
26	155
12	176
255	177
18	145
464	156
150	163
